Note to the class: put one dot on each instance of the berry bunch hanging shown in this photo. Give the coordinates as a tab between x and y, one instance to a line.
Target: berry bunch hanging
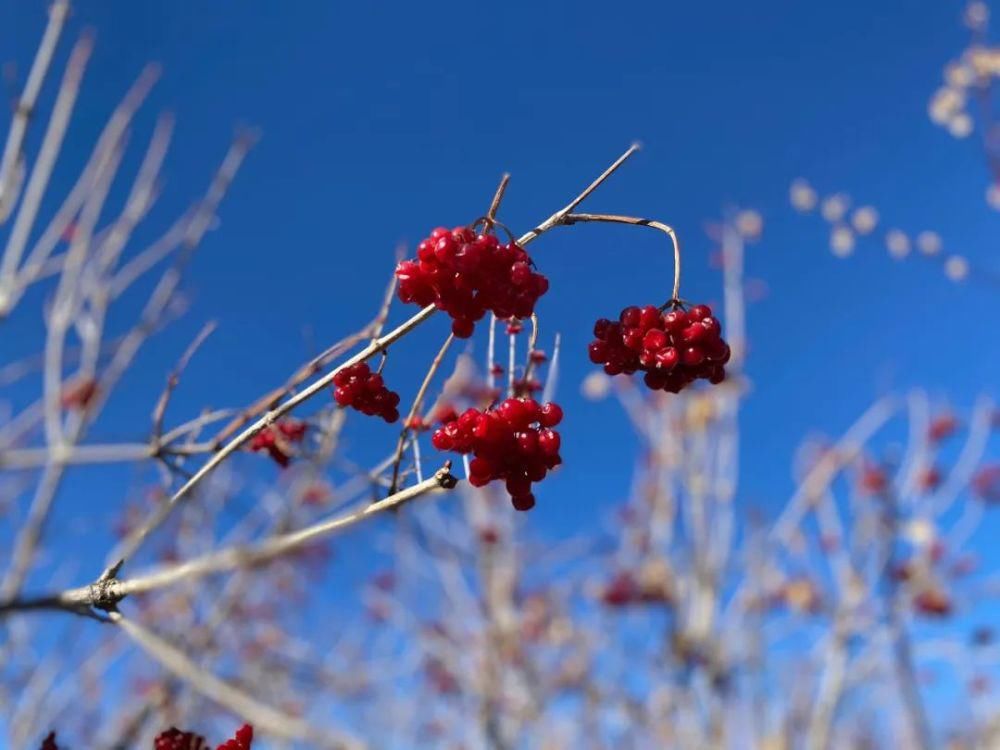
278	440
175	739
514	441
673	348
360	388
467	275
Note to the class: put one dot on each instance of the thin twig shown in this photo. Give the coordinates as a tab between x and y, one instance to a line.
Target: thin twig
12	153
415	408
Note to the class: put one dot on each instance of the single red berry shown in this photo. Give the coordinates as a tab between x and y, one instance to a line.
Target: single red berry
550	414
523	502
630	317
675	320
654	340
549	442
649	317
601	328
692	356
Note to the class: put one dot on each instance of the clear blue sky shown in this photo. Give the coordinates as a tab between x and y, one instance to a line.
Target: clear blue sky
381	120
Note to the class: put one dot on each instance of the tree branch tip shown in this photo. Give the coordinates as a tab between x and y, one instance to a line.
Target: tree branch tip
445	478
112	572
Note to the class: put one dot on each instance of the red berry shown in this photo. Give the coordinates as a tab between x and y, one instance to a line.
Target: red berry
550	414
666	359
597	352
649	317
462	327
523	502
675	320
630	317
654	340
548	442
694	333
692	356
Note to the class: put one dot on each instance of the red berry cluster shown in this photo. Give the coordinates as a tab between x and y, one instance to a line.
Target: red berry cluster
360	388
175	739
673	348
513	441
468	275
277	440
240	741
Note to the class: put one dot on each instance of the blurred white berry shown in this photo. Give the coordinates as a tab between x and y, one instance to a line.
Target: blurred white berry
960	126
750	224
929	243
993	196
864	220
919	532
956	268
897	243
802	196
985	61
959	75
834	207
945	104
977	14
596	386
841	241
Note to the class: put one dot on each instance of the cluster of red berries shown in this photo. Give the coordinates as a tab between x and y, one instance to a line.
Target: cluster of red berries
513	441
242	740
175	739
277	440
673	348
360	388
467	275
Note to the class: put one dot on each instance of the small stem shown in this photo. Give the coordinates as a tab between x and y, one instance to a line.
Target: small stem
491	354
532	343
635	221
501	189
559	216
417	401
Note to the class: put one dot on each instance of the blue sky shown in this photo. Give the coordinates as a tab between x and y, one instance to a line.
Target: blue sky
380	121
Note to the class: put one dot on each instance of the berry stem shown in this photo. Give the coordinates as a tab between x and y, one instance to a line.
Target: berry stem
635	221
417	402
498	196
532	345
491	354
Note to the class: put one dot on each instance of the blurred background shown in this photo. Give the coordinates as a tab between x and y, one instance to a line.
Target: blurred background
720	568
